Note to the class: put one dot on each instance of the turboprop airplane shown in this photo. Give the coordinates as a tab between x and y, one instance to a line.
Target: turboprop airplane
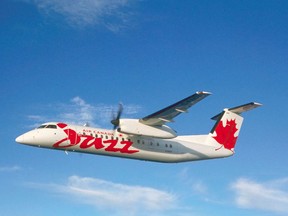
148	138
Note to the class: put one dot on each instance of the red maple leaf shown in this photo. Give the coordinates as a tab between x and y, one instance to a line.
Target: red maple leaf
225	135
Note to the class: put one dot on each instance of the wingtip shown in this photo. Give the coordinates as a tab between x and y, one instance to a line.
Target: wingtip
257	104
203	92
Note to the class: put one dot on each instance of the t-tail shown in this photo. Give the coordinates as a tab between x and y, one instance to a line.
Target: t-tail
225	132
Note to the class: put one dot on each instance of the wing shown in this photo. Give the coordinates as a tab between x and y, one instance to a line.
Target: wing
167	114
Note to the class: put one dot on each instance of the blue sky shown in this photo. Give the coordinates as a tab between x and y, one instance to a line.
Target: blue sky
74	61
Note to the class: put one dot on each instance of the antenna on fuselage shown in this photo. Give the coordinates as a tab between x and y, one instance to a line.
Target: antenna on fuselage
86	124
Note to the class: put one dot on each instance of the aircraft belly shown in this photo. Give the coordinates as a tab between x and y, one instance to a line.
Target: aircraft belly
165	157
199	151
167	152
141	155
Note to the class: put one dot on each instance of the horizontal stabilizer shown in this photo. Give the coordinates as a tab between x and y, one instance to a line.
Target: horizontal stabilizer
240	109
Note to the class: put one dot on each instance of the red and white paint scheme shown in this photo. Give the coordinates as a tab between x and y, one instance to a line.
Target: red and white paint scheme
148	138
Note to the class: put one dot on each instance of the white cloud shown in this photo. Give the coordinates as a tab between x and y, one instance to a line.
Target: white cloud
200	187
114	197
112	14
10	168
78	111
196	186
269	196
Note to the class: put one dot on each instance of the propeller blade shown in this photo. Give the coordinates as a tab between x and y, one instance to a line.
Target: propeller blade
116	120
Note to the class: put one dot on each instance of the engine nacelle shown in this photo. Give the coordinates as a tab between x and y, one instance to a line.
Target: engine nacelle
133	126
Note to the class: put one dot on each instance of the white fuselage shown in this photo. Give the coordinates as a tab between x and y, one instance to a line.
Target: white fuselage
74	138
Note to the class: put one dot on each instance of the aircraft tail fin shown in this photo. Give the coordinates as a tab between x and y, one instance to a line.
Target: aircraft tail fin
228	124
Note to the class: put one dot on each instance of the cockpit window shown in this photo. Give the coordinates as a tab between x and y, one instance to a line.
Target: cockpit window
52	126
47	126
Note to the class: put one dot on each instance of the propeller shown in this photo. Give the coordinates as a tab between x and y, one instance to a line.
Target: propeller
116	120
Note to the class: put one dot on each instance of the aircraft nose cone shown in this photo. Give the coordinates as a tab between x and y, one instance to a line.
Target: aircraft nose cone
20	139
27	138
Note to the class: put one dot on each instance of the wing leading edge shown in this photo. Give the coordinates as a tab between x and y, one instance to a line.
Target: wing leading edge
167	114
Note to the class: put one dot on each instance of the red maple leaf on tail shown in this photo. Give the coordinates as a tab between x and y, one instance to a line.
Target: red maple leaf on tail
225	135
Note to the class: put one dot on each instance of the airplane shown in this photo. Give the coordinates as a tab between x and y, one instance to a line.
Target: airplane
148	138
